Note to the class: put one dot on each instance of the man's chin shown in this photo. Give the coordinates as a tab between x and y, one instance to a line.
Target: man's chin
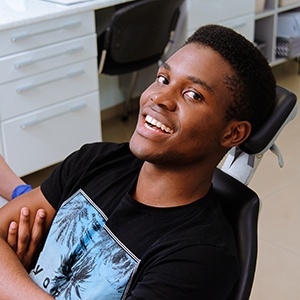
134	145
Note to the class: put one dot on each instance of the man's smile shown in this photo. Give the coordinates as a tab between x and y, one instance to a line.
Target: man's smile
151	122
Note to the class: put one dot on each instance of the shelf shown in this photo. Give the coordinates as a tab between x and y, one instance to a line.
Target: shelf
278	61
266	28
264	14
288	7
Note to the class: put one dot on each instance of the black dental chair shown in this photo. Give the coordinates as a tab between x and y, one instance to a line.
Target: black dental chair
241	204
139	34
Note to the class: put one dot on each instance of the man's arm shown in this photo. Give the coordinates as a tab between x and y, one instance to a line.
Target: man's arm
15	282
8	180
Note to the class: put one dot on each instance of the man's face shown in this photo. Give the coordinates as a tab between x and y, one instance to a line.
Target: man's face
182	114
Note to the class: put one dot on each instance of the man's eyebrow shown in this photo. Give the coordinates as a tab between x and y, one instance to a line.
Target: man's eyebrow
191	78
165	66
201	82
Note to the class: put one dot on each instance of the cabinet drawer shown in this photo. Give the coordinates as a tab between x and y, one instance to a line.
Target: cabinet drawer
28	63
45	137
44	33
207	11
243	25
47	88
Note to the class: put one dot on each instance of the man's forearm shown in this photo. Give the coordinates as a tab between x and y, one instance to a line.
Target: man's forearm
8	180
15	282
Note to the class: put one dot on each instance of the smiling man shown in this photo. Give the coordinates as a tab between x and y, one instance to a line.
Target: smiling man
141	220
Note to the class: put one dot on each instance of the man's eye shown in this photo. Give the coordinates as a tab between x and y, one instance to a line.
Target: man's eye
194	95
162	79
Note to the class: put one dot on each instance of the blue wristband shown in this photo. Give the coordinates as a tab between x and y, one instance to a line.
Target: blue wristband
21	189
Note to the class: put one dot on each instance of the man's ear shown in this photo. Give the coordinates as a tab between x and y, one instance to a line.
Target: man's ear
236	133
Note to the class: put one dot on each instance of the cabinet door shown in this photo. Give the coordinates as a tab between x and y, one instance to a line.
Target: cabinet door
45	137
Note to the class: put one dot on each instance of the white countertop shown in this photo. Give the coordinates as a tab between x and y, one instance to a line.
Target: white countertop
15	13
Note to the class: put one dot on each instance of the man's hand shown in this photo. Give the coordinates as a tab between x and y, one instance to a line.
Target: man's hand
25	241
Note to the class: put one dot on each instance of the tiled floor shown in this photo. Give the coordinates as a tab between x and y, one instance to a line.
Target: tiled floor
278	268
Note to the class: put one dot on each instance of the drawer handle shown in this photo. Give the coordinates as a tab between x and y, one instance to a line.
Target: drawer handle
33	61
17	38
239	25
71	109
32	86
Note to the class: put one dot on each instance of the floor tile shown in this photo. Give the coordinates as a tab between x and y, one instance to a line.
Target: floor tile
278	273
278	266
269	178
279	219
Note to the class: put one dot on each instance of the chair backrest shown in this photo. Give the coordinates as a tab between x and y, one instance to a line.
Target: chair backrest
241	206
138	34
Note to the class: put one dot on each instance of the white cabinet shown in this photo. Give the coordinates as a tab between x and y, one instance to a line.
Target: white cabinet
49	103
236	14
266	26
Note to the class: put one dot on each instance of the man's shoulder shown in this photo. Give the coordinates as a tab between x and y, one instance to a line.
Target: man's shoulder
104	151
106	147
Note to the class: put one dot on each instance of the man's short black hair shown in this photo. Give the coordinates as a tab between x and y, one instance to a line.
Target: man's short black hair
253	86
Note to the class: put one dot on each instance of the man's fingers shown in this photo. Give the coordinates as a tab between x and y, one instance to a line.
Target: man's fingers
36	237
23	232
12	235
26	240
37	232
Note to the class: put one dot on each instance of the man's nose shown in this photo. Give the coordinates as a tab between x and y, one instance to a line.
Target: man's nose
164	99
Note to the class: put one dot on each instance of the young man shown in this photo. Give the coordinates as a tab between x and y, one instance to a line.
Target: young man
141	221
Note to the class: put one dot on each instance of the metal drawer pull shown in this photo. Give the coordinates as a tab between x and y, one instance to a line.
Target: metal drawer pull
32	86
29	35
239	25
33	61
73	108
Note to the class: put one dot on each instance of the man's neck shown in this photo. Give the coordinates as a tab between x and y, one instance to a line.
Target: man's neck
162	187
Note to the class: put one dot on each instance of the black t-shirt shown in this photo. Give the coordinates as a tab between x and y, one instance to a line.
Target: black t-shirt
184	252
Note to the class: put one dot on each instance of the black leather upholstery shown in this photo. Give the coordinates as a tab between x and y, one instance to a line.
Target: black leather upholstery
285	103
241	206
138	34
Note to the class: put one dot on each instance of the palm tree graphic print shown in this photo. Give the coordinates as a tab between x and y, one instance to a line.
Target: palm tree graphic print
81	258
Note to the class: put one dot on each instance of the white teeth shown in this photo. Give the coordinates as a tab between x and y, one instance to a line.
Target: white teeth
158	124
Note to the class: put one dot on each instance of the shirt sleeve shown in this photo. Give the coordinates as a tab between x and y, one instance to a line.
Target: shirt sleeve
59	185
67	177
200	272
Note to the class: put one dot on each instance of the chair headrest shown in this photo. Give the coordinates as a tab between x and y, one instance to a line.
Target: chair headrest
285	110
